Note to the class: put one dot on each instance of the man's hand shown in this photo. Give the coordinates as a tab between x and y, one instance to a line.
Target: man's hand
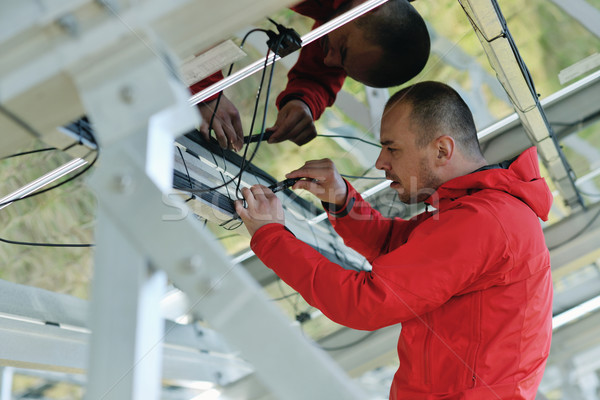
226	124
263	208
295	123
325	181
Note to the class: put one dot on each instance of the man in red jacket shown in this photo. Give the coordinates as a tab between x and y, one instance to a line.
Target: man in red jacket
385	47
469	281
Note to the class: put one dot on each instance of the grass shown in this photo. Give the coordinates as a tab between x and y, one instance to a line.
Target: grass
548	39
64	215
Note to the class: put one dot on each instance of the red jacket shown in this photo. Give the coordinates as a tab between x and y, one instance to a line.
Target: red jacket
470	283
310	80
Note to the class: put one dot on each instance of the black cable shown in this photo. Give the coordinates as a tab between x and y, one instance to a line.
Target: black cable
192	196
47	244
244	165
287	296
233	227
214	113
227	236
589	194
71	178
17	120
264	121
294	305
348	345
24	153
576	235
378	178
351	137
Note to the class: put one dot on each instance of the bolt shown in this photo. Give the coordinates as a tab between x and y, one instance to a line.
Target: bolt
206	284
123	184
192	264
69	23
218	377
127	94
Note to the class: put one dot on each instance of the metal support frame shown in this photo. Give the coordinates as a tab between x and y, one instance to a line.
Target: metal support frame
574	103
585	13
490	26
136	135
6	381
126	345
50	331
306	39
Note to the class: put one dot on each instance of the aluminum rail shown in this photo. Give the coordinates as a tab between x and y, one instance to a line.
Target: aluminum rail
306	39
42	181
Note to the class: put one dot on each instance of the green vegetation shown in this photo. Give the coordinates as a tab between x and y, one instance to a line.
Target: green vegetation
548	39
64	215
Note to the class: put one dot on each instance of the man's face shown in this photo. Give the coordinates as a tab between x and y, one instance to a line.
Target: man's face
347	48
408	166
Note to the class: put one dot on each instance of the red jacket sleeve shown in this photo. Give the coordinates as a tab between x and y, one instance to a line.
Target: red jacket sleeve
442	258
311	81
364	229
206	82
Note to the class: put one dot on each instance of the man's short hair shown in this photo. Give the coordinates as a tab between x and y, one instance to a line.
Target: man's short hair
402	34
436	110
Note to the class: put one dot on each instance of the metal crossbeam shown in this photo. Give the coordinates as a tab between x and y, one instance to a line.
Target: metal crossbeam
492	32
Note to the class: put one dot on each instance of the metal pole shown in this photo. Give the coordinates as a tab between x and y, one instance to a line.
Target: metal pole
306	39
6	381
43	181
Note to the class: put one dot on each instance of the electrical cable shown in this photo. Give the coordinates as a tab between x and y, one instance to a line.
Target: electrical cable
17	120
192	196
348	345
284	296
576	235
505	33
377	178
245	163
264	121
46	244
24	153
594	195
227	236
214	113
71	178
351	137
287	296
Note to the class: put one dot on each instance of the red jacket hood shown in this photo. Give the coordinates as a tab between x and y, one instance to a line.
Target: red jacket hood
521	179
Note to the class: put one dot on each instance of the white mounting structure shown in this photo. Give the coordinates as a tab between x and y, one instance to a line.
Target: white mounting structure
114	60
490	26
43	46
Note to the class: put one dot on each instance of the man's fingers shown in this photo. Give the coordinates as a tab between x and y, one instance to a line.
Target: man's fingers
230	134
284	127
239	133
310	185
303	128
260	191
248	195
239	209
305	136
315	169
219	134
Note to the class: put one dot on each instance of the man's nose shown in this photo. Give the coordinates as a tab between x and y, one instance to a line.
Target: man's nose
381	163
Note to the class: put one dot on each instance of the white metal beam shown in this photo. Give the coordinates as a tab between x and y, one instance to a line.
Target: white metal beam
491	29
583	12
507	138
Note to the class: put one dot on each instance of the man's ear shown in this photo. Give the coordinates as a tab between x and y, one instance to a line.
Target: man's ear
444	148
